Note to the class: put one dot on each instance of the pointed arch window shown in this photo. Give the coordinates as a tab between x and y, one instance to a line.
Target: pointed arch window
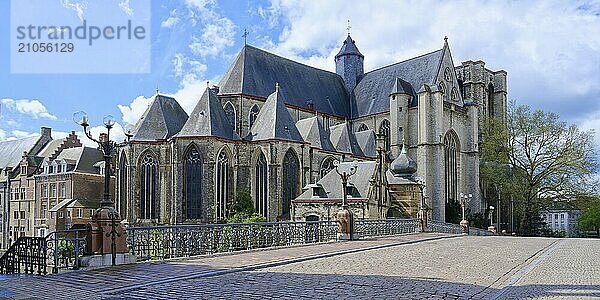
362	127
123	185
326	166
148	188
451	166
490	97
222	191
230	113
291	170
253	115
261	188
384	129
193	184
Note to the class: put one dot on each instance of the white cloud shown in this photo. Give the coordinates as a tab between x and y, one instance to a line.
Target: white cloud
218	32
21	134
33	108
131	113
124	6
78	6
169	22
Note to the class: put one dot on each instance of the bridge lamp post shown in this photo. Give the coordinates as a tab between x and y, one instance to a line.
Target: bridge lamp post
344	216
106	220
491	228
421	183
465	199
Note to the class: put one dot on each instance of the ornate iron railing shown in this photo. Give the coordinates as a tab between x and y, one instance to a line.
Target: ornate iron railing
34	255
478	231
375	228
65	247
25	256
437	226
164	242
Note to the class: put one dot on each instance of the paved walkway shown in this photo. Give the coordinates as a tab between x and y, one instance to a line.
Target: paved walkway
431	266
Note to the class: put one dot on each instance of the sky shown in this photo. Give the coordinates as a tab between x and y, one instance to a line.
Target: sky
550	49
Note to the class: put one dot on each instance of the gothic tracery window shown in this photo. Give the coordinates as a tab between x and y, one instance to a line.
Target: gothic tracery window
148	188
253	115
291	169
193	184
326	166
451	166
362	127
230	113
261	187
123	186
384	129
221	188
454	94
442	87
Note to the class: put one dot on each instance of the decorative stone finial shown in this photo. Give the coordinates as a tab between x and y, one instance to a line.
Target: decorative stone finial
445	39
348	27
277	86
207	83
157	88
403	166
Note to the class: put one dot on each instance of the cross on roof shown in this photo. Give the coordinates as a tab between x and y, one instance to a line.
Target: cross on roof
245	35
349	27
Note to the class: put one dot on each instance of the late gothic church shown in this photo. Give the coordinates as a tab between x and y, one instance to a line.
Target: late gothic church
274	126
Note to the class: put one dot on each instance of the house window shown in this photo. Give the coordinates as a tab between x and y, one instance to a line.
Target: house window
53	190
23	214
230	113
22	193
326	166
63	189
16	215
44	190
46	170
193	184
80	213
148	183
384	129
64	166
60	215
221	186
68	213
261	189
253	115
291	168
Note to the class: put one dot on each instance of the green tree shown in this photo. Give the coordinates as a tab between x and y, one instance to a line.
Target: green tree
242	210
590	219
536	159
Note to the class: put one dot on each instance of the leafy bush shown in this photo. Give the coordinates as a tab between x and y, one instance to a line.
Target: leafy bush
242	210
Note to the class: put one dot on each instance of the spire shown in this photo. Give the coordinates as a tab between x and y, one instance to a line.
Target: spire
349	48
403	165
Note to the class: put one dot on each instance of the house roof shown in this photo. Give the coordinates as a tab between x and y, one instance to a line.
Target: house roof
371	94
209	119
11	152
313	131
254	72
333	185
163	118
274	121
84	158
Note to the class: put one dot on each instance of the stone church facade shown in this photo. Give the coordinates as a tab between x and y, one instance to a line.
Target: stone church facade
274	127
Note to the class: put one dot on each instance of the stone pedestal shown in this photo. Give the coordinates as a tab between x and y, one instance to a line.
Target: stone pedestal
106	234
465	226
346	226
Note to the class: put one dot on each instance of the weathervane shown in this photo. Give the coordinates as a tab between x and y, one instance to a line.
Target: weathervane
349	27
245	35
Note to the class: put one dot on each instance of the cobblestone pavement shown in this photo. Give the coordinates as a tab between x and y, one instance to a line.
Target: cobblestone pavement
404	267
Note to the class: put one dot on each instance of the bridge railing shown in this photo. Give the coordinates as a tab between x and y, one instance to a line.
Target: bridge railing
164	242
437	226
375	228
478	231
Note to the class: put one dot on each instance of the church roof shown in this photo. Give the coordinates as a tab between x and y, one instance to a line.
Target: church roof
371	94
209	119
402	87
313	131
254	72
349	47
274	121
366	142
344	140
163	118
333	185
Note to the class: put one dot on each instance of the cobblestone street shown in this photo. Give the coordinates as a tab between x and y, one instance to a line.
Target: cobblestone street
419	266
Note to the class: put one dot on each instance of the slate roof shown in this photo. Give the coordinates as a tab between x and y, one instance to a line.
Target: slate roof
333	185
254	72
12	151
313	131
209	119
371	94
274	121
344	140
83	158
349	47
366	142
163	118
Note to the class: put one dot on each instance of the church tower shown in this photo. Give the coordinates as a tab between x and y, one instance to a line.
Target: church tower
349	64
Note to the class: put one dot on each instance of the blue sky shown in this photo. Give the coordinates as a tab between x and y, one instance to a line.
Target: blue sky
550	49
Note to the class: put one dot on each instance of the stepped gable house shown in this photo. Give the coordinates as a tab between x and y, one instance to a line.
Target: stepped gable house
274	126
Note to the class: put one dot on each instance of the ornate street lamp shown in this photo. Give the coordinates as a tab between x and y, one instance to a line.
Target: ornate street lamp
465	199
106	220
491	228
344	216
